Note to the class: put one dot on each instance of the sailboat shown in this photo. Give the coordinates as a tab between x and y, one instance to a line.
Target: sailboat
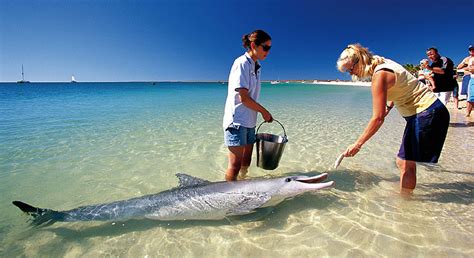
73	80
22	76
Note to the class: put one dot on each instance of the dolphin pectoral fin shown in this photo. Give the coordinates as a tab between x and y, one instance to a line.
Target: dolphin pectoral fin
249	203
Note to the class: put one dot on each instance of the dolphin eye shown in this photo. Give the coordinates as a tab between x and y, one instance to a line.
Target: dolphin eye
288	180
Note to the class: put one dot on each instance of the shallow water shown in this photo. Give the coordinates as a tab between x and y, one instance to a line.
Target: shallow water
67	145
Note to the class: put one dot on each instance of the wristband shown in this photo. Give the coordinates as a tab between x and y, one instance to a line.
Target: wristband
389	107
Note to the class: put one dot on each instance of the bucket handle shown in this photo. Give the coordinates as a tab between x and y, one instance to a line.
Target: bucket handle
284	131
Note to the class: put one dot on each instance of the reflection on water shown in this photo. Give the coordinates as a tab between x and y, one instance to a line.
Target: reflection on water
101	143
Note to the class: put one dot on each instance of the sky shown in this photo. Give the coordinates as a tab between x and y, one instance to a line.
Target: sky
198	40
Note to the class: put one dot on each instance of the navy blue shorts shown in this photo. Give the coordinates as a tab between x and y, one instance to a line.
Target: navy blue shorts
424	134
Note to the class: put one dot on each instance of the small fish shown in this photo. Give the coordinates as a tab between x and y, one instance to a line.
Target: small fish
338	160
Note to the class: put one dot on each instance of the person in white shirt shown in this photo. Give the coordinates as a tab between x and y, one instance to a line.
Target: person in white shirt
241	107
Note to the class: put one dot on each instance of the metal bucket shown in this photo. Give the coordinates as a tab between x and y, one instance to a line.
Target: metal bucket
270	148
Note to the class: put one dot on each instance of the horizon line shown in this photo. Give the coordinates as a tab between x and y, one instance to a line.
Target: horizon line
157	81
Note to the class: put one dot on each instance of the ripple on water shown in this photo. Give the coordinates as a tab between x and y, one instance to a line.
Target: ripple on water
103	145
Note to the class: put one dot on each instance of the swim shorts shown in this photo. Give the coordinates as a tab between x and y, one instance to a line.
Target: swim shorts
470	90
465	83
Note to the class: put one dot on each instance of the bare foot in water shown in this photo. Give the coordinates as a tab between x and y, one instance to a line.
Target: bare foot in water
406	193
242	174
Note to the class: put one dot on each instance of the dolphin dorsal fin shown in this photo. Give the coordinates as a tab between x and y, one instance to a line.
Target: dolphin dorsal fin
186	180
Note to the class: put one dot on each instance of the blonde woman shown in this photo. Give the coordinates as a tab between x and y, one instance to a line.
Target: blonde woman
427	118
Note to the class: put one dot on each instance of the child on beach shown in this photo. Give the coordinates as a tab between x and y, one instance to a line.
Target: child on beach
427	118
426	76
241	107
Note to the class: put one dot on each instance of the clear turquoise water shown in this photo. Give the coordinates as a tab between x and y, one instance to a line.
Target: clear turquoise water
67	145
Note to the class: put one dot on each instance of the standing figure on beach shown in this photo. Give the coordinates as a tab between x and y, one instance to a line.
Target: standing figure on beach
392	85
467	87
241	107
443	72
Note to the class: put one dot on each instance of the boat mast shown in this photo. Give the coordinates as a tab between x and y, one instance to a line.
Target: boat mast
22	73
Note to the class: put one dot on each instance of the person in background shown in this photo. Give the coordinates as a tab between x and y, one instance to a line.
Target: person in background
467	87
443	72
425	75
241	107
392	85
456	91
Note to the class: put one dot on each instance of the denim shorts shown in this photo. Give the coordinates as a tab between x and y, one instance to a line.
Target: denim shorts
236	135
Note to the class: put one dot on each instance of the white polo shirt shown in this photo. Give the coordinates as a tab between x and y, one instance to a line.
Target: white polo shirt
242	76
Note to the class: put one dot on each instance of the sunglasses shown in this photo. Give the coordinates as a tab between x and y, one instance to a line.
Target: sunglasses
266	48
352	67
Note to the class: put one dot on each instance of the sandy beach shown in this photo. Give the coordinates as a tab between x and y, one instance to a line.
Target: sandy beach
457	114
350	83
343	83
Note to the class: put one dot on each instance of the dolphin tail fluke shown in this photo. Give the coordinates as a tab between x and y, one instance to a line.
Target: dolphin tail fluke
40	217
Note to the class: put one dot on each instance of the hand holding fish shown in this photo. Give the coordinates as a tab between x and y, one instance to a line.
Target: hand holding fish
352	150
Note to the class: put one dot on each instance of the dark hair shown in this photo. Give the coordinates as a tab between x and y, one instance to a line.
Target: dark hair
432	48
258	37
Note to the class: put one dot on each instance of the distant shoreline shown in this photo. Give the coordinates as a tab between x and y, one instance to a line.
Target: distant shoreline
318	82
343	83
315	82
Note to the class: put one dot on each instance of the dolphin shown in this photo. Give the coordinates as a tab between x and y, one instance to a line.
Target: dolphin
193	199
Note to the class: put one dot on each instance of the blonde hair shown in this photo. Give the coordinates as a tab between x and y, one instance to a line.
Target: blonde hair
360	56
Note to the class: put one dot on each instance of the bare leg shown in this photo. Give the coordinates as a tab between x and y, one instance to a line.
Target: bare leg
469	108
246	160
407	176
456	102
235	162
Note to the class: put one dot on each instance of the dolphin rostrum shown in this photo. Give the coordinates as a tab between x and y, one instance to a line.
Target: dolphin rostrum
193	199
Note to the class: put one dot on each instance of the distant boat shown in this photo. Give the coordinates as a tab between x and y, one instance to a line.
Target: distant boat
274	82
22	76
73	80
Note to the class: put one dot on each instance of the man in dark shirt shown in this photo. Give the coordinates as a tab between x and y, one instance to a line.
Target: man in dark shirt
443	72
